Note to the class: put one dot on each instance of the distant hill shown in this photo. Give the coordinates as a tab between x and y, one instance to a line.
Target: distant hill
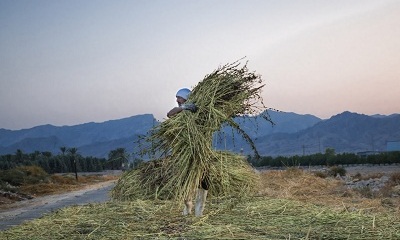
282	122
91	139
345	132
291	134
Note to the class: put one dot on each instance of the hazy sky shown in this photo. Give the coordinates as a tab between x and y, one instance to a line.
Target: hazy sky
67	62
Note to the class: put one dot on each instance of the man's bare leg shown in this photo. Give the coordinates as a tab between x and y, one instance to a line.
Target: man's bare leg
187	209
200	202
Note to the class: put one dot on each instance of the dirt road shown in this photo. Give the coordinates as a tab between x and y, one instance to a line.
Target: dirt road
35	208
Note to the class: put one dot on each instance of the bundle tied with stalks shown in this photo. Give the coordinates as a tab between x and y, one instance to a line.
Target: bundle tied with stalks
185	141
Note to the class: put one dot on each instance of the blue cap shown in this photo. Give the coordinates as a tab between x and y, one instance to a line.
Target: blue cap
183	93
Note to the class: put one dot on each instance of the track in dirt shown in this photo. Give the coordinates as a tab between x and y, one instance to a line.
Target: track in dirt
35	208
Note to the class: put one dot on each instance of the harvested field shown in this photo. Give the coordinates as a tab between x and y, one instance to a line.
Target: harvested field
291	204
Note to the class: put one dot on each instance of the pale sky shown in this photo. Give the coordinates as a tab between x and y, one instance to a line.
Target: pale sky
68	62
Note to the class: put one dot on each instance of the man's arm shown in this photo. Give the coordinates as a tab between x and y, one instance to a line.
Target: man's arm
174	111
189	106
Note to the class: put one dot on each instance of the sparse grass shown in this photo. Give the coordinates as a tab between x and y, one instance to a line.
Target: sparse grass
366	192
395	178
321	174
389	190
368	176
63	183
305	186
65	179
331	172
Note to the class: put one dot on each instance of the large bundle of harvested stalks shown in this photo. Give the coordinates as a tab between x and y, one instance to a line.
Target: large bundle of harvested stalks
230	175
186	139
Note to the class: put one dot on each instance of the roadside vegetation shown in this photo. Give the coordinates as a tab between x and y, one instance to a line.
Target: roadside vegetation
27	182
28	175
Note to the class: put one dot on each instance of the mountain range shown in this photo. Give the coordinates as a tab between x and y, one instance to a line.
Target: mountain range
290	134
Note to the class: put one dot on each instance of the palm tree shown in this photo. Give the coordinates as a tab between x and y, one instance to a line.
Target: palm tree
73	153
33	156
118	157
47	154
19	156
63	149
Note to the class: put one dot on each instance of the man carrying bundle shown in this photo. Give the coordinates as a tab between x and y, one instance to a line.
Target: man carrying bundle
186	142
181	97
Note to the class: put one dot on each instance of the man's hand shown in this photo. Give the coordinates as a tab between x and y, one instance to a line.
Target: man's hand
189	106
174	111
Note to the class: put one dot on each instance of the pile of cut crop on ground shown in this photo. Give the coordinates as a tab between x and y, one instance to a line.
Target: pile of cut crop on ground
306	208
186	141
230	175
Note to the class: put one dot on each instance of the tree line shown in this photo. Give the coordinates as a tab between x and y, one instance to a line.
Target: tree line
68	160
329	158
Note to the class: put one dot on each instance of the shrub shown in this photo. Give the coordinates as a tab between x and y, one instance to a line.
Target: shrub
321	174
63	179
293	172
357	176
335	170
387	190
13	176
24	175
365	192
5	186
395	178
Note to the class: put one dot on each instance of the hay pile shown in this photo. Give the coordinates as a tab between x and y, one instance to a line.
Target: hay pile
256	218
230	175
186	141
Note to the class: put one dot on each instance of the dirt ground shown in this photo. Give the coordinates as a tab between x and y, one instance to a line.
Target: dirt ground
352	170
14	212
14	202
369	169
18	212
51	198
